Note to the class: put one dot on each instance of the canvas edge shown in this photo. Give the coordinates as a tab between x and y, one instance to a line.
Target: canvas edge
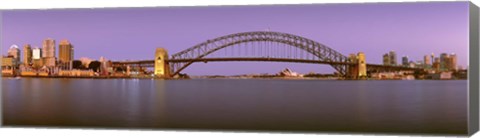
473	70
1	51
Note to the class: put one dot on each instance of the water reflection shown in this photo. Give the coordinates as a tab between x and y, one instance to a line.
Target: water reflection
306	105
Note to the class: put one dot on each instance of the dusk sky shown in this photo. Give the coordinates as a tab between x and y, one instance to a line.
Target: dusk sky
413	29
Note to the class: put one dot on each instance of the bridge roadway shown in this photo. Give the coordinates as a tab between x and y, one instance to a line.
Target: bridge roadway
150	63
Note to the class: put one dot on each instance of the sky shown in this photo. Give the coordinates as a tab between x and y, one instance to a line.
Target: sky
409	29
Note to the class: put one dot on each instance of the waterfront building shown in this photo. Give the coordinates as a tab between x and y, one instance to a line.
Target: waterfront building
426	61
393	58
76	73
85	61
104	66
8	62
36	53
65	51
48	52
436	64
289	73
14	52
37	63
65	54
37	60
452	65
411	64
386	59
440	75
27	55
9	65
419	64
444	57
432	58
405	61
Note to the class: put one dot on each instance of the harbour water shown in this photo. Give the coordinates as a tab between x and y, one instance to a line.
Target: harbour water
420	106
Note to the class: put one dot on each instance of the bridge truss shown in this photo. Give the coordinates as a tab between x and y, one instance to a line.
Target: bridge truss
259	46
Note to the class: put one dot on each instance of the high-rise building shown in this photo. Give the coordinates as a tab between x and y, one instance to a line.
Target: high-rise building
37	63
393	58
27	55
37	57
426	60
65	53
9	63
386	59
48	52
36	53
15	53
452	65
405	61
444	61
436	64
432	58
104	66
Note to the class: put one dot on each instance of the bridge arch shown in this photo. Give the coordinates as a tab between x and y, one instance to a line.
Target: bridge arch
201	50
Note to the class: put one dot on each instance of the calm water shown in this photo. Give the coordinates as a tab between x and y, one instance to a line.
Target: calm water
229	104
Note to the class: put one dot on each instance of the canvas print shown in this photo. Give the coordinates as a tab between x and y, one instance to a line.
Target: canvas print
389	68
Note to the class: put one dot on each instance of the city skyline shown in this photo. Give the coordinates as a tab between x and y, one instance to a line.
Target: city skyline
106	32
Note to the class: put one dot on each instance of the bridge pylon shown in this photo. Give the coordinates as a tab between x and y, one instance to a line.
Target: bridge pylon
359	69
162	68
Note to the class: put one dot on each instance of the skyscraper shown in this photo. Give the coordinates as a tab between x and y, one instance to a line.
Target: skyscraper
405	61
426	60
386	59
65	51
27	55
37	57
48	52
36	53
14	52
452	65
444	61
433	58
427	63
436	64
393	58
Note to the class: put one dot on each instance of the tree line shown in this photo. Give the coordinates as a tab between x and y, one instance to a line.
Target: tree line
94	65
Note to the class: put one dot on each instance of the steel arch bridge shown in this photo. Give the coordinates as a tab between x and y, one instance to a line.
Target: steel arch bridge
260	46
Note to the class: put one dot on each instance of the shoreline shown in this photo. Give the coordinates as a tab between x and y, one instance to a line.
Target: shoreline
266	78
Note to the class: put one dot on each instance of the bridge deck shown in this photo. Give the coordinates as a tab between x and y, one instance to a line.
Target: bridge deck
150	63
235	59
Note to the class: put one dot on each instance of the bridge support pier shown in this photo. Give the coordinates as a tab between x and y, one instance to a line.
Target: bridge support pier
359	69
162	68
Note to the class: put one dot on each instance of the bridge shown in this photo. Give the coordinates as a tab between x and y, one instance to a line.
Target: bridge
261	46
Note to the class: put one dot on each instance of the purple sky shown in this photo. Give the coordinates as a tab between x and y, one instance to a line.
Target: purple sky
412	29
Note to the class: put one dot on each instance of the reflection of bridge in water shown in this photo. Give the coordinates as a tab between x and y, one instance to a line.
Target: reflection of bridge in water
263	47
